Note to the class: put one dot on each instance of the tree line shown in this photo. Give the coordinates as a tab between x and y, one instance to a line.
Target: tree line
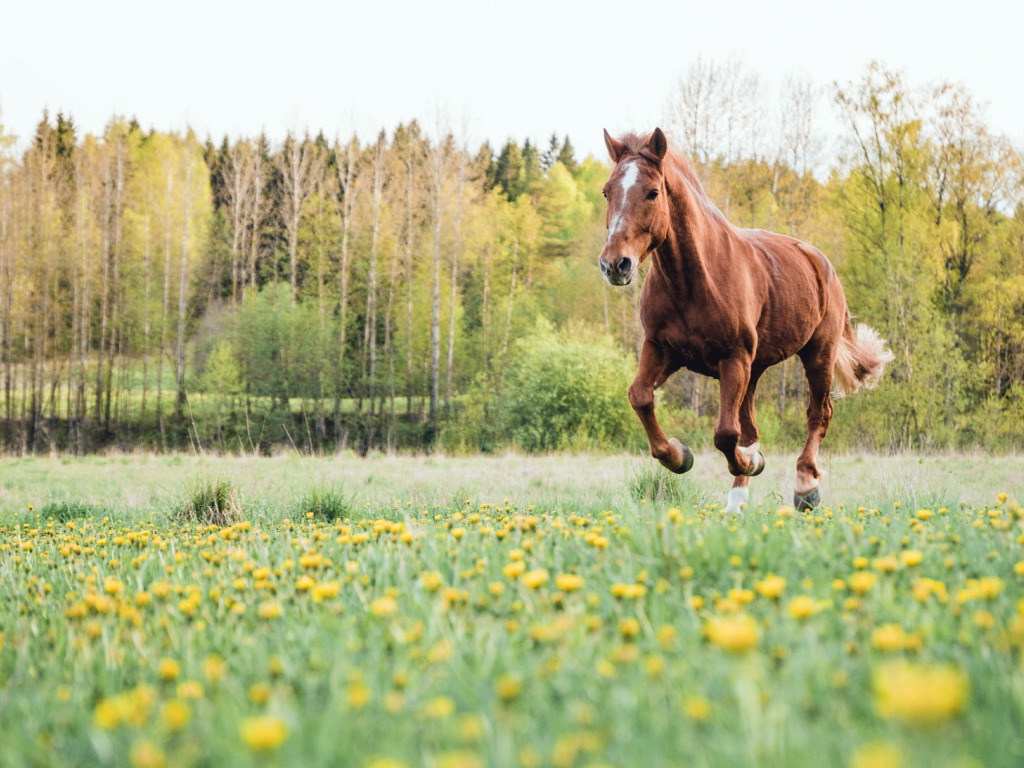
410	291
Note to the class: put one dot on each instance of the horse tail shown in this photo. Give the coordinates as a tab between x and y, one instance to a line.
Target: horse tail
861	359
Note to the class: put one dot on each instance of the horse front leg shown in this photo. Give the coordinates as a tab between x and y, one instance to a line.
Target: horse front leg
654	369
748	444
738	445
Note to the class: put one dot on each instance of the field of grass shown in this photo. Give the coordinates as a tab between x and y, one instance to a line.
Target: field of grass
508	611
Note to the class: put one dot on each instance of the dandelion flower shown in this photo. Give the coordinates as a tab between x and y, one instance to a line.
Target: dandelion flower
264	733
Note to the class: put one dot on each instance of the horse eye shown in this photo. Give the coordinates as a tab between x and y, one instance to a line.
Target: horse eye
652	194
605	193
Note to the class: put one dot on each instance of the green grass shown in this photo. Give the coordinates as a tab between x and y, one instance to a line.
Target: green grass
416	611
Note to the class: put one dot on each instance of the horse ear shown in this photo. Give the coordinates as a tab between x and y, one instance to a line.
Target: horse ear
658	144
615	148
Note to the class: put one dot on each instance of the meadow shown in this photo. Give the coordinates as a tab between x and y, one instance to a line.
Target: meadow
509	611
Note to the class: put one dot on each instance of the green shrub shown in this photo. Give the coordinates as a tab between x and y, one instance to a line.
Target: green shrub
566	390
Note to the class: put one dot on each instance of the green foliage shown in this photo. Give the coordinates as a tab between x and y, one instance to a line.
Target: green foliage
650	483
66	510
209	501
565	390
326	502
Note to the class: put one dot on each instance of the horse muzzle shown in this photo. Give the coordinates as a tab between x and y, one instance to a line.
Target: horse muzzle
620	271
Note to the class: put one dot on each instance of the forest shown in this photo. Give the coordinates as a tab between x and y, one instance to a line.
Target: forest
407	292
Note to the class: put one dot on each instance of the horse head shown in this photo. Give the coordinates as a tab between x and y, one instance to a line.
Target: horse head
638	209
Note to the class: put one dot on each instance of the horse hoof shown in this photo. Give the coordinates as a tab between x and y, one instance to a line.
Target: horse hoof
806	501
758	465
687	463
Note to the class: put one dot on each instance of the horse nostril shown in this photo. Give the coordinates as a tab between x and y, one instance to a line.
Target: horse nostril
625	265
603	266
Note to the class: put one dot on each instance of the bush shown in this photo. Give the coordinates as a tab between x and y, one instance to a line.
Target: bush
566	390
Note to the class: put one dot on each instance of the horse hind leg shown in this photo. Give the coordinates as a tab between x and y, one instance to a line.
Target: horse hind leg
818	368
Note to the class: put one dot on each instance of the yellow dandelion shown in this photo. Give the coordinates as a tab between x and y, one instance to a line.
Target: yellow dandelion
920	693
384	606
877	755
215	668
438	708
175	714
629	628
803	607
771	586
431	580
146	754
168	669
536	578
264	733
862	582
889	637
508	687
569	582
697	708
911	557
270	610
735	633
514	570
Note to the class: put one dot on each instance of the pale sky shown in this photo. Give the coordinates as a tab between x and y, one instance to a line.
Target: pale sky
486	70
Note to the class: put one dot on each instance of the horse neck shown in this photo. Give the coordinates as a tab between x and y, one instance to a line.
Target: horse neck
684	257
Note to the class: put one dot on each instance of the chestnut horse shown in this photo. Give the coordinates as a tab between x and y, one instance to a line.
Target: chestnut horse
727	303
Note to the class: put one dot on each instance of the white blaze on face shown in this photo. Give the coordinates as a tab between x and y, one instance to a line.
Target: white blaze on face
630	175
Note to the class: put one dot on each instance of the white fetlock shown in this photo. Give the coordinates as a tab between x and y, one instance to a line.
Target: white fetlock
737	500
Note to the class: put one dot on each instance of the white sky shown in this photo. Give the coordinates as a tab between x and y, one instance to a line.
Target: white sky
486	70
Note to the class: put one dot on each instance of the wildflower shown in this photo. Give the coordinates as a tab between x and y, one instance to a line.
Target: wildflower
535	578
438	708
569	582
891	637
508	687
325	589
146	754
697	708
514	570
862	582
263	733
431	580
168	669
175	714
383	606
358	695
911	557
771	586
918	693
629	628
877	755
215	668
734	633
190	689
803	607
270	610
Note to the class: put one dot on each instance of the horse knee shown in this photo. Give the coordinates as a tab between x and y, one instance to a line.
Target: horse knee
641	398
726	440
